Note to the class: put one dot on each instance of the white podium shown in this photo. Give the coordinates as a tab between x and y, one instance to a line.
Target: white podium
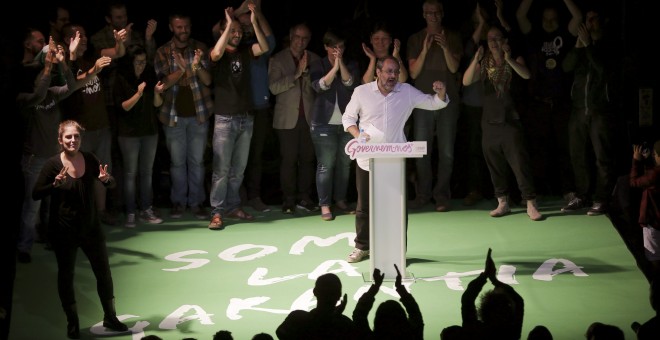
387	202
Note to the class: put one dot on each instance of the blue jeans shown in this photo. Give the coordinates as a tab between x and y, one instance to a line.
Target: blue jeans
31	166
333	165
186	142
440	124
138	154
231	148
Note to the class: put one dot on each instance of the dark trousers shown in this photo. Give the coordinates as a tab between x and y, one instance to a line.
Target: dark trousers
477	171
298	162
546	125
505	150
263	125
592	133
97	254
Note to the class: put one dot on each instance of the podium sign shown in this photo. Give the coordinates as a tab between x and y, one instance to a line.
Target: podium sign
387	201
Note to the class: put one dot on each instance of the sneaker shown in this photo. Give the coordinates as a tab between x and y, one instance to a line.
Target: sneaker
307	206
357	255
199	212
598	208
148	216
216	223
258	205
177	211
289	209
107	218
417	203
130	221
575	204
472	198
568	197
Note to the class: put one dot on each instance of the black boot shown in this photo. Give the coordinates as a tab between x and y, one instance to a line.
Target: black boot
73	325
110	320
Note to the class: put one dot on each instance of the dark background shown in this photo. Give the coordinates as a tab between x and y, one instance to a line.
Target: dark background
631	20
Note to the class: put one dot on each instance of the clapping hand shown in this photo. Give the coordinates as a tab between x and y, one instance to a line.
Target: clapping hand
378	277
74	42
179	60
342	305
159	87
151	28
489	268
140	88
397	48
399	278
368	51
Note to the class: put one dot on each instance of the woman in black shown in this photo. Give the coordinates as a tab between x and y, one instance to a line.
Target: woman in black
69	178
502	137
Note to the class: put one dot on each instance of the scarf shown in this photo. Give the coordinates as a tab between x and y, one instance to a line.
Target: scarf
499	76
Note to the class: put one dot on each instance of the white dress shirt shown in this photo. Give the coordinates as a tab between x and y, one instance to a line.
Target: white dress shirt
386	114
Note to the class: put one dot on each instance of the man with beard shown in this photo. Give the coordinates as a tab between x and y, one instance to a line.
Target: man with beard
183	68
234	115
382	106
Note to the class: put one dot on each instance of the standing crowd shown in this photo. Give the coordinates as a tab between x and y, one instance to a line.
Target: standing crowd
525	97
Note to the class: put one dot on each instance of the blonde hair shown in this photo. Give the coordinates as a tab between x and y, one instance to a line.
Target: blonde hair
63	125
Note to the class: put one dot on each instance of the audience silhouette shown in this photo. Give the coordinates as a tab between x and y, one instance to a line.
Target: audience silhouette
601	331
651	328
453	332
539	332
326	321
390	321
223	335
500	314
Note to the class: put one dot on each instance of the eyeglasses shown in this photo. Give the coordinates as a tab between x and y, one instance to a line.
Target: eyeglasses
391	72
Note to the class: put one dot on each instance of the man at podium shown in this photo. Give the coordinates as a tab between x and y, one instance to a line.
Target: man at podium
382	108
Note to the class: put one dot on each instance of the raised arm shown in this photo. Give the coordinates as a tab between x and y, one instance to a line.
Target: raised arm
519	303
576	17
412	308
219	48
369	74
119	49
416	64
473	72
521	16
396	53
365	303
149	40
261	46
517	64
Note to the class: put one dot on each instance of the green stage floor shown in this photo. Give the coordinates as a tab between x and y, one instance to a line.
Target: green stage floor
179	280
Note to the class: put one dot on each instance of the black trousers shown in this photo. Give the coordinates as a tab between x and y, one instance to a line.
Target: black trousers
298	162
592	133
505	151
263	126
97	254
